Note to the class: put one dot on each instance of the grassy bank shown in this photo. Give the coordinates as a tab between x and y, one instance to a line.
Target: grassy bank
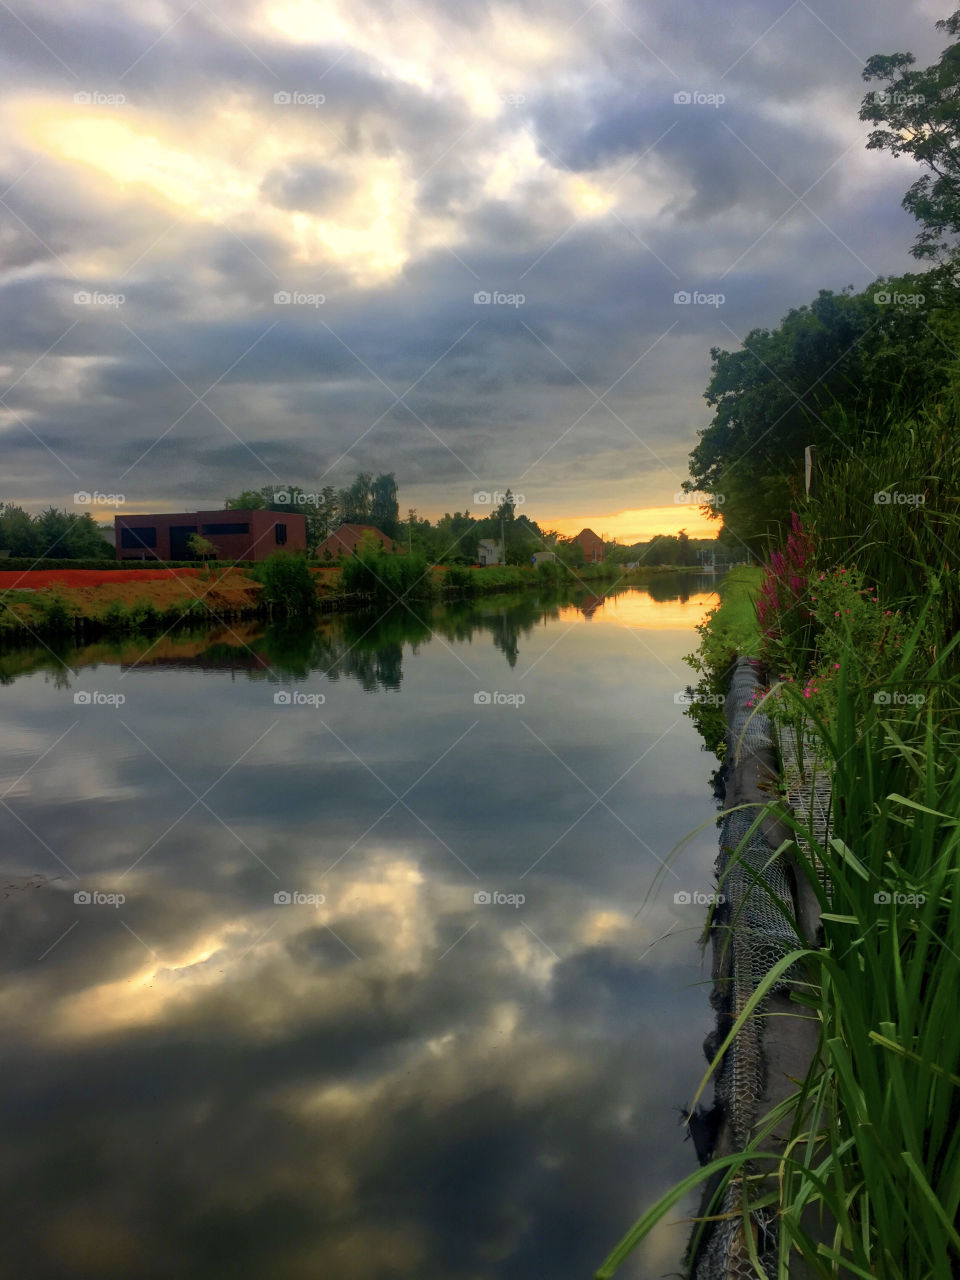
728	630
111	604
855	622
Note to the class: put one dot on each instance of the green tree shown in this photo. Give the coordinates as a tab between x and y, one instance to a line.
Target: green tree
813	380
384	507
288	584
917	114
18	532
201	547
355	500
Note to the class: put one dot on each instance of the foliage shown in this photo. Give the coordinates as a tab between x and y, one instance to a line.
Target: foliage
288	584
201	547
728	630
893	510
917	116
53	535
873	1144
375	572
817	379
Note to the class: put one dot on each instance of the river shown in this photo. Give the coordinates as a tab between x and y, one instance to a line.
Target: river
353	951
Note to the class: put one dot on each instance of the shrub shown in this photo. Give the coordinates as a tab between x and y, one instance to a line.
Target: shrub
288	583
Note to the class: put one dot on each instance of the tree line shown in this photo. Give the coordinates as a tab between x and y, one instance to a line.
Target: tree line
838	372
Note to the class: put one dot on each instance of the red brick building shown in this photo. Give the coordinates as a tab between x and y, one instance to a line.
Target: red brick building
593	549
345	540
237	535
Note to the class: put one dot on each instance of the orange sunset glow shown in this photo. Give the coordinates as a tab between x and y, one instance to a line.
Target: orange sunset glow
639	524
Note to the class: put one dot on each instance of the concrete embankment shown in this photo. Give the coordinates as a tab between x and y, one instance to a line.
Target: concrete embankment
768	910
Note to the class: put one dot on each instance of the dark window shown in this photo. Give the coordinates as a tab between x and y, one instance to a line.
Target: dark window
280	533
134	539
225	528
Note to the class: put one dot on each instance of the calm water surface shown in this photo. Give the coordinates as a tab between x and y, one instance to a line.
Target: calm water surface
394	990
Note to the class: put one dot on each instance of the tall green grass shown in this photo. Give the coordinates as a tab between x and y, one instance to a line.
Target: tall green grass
868	1184
892	508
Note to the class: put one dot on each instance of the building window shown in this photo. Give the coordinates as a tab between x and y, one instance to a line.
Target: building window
280	533
135	539
225	528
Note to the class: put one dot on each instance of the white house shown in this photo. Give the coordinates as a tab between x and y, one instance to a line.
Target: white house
544	557
489	551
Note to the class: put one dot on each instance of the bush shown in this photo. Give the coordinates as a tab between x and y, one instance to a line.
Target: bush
374	572
288	583
459	578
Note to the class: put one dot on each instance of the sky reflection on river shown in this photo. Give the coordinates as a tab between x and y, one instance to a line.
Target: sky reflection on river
403	1080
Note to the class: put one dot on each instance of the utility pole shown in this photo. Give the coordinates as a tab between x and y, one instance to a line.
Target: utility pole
809	469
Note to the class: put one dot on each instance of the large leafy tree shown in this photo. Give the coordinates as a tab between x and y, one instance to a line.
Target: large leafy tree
384	507
814	380
918	114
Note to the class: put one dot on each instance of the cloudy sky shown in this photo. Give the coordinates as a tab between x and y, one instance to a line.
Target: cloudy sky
243	243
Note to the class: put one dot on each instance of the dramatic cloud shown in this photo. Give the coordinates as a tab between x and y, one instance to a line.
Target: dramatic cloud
178	170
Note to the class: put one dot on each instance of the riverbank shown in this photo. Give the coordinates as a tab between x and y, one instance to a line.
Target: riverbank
844	834
86	603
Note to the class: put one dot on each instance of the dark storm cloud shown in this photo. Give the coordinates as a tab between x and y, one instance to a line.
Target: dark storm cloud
695	213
